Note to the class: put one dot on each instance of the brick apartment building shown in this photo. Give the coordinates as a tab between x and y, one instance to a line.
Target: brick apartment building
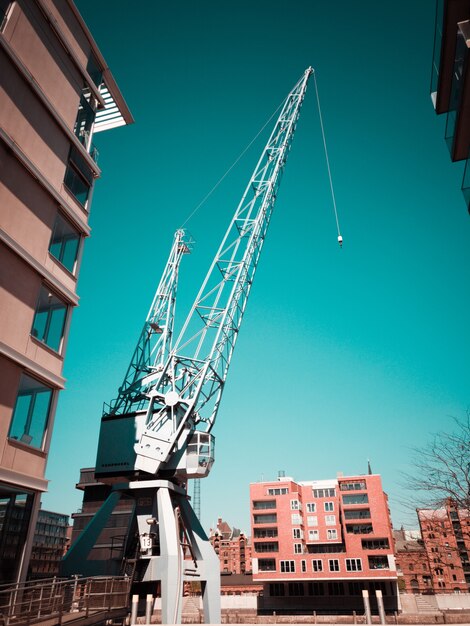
414	573
446	539
232	547
318	544
50	543
56	93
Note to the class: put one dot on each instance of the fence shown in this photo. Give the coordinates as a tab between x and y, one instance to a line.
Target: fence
38	601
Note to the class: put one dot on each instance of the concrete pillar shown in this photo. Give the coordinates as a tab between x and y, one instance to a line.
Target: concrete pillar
380	604
365	598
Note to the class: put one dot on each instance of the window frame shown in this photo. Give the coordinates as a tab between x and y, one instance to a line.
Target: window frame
43	336
44	419
336	565
317	565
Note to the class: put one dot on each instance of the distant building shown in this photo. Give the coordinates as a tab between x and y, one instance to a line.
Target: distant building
412	563
450	79
446	538
232	547
49	544
57	92
318	544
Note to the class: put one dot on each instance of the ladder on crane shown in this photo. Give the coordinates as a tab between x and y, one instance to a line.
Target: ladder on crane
157	434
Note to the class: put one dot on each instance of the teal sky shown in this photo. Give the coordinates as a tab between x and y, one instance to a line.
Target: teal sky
343	355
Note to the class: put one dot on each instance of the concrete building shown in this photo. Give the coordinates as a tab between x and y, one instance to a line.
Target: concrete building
49	544
56	93
446	538
450	79
412	562
318	544
232	547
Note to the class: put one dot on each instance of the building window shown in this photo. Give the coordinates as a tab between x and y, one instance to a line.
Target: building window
359	529
298	548
375	544
297	533
267	565
49	319
317	565
357	498
294	505
333	565
329	506
355	588
296	589
296	518
316	589
330	520
303	565
94	70
332	533
313	535
335	588
278	491
78	176
262	533
276	589
378	562
31	413
85	118
64	243
311	507
265	518
356	514
353	486
266	546
264	504
312	520
353	565
324	493
287	566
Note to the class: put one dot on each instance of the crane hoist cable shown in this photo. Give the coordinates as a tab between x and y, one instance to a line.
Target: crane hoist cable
340	238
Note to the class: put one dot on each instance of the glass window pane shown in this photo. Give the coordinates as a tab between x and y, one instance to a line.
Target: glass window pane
64	243
31	412
49	319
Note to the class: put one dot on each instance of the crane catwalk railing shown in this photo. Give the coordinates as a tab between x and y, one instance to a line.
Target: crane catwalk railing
37	601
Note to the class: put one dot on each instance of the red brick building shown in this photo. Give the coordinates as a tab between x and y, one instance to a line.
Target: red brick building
414	575
318	544
233	548
446	538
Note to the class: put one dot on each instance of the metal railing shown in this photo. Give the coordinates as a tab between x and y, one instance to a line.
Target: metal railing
37	601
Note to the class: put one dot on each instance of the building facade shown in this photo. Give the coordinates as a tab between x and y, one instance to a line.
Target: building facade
318	544
232	547
450	80
414	573
49	544
446	539
56	93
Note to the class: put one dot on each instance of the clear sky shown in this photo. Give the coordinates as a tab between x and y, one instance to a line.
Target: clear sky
344	354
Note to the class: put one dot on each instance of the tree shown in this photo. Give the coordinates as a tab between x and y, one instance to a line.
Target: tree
442	469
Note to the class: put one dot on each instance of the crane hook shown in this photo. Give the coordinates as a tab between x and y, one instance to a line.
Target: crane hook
340	241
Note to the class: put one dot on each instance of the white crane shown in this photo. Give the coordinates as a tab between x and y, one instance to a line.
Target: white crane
157	434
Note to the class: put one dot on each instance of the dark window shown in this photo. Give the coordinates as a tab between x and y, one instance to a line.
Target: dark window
323	548
263	533
31	412
265	518
49	319
276	589
316	589
378	562
359	529
375	544
267	546
264	504
317	565
287	566
94	70
64	243
357	498
296	589
357	514
353	486
333	565
355	588
78	176
267	565
335	589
